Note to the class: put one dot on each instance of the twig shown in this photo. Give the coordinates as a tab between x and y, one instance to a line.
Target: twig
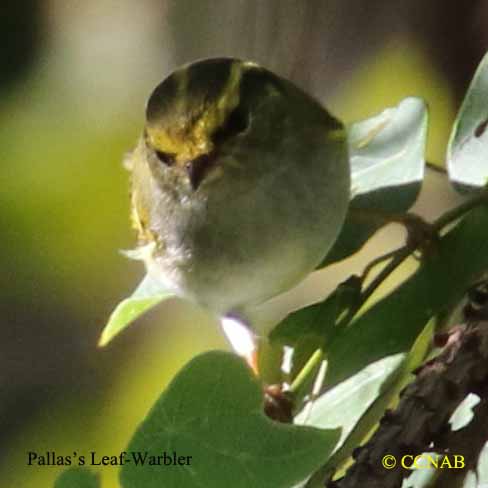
400	255
375	262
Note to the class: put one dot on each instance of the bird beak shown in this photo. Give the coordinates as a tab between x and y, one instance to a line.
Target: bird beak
197	169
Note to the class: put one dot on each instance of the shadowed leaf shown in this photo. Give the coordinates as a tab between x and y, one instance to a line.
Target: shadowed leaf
77	478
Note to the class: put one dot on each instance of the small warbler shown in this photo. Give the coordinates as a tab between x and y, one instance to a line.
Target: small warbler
240	184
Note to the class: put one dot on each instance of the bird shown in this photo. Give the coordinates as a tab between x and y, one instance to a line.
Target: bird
240	183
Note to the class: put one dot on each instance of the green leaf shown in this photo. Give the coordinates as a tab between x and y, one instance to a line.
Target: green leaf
213	412
392	325
467	153
387	169
77	478
148	294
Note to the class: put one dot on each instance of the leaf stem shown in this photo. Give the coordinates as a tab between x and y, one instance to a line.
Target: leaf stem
375	262
307	370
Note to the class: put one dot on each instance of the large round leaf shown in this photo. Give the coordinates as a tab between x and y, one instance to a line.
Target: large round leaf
213	412
77	478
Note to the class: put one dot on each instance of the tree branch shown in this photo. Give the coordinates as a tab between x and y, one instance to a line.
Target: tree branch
420	423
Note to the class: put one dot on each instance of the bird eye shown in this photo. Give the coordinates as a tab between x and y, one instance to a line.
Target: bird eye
236	123
166	158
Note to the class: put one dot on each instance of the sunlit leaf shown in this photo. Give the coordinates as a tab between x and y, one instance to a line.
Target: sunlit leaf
212	411
148	294
470	481
467	154
482	467
343	405
463	414
387	169
421	478
77	478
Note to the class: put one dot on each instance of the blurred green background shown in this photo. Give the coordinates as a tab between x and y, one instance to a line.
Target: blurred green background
74	77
